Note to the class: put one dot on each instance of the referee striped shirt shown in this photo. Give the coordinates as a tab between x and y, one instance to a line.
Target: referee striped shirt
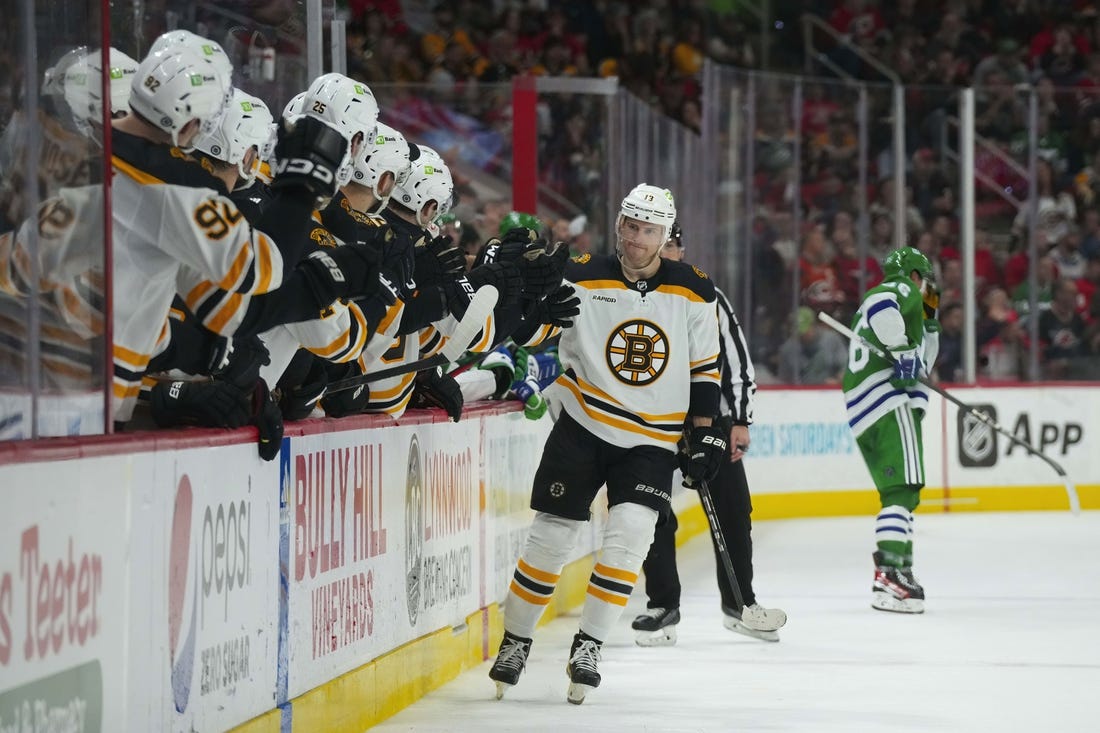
735	365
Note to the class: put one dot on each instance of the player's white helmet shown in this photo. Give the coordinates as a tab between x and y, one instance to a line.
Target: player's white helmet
174	86
388	152
650	204
429	180
210	51
83	86
293	108
346	105
246	124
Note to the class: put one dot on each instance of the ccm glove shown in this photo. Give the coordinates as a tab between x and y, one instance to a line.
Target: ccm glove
504	277
214	404
349	271
706	449
437	261
436	389
558	308
907	366
308	154
542	269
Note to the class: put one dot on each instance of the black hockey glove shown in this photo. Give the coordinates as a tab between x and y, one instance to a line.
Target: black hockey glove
268	419
347	401
436	389
307	156
706	449
348	271
214	404
437	260
542	267
558	308
241	361
505	277
296	401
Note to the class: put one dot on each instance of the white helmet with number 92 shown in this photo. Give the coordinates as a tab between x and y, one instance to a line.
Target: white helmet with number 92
176	85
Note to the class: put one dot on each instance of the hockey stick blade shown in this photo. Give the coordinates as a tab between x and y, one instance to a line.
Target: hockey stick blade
472	322
1071	489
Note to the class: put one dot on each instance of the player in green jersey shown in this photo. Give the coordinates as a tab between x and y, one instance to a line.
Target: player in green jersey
885	406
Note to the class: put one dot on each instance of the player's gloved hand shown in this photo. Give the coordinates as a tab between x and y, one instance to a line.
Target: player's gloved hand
348	271
297	401
346	401
558	308
907	368
268	419
542	267
706	449
528	392
242	361
504	277
436	389
307	155
215	404
437	260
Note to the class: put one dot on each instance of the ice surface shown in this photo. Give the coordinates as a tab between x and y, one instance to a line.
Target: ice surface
1010	642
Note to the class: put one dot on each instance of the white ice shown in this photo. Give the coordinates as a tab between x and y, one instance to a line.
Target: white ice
1010	641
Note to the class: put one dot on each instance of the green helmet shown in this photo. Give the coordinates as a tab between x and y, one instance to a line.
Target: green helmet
899	263
519	219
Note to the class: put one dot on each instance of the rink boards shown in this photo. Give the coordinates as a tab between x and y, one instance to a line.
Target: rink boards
177	582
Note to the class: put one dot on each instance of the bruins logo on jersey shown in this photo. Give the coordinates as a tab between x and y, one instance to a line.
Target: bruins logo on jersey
581	259
323	237
699	272
637	352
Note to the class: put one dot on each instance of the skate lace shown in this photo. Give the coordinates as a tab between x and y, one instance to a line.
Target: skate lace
586	656
513	655
655	612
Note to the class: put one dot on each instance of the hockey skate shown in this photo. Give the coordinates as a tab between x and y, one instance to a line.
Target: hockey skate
656	627
896	589
510	662
755	621
583	670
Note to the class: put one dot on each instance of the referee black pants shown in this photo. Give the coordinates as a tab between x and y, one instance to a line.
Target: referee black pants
732	504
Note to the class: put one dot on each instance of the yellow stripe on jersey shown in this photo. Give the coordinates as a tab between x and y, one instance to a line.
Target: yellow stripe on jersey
708	360
389	394
264	270
398	409
681	291
486	339
228	309
602	285
125	390
600	417
130	171
672	417
393	312
196	294
618	574
229	282
132	360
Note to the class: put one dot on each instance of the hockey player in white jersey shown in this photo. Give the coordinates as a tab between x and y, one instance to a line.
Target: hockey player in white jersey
167	214
639	361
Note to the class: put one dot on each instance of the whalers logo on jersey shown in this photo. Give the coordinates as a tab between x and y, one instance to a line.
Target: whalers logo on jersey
637	352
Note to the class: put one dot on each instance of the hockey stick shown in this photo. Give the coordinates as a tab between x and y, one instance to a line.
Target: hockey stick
472	321
753	618
1071	490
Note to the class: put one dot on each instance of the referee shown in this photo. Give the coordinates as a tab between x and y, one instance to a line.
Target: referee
730	492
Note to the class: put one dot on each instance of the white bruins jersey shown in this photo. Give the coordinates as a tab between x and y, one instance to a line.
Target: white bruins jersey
638	352
159	226
391	396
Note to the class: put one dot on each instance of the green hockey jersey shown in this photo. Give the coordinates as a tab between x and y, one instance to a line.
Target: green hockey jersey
891	317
